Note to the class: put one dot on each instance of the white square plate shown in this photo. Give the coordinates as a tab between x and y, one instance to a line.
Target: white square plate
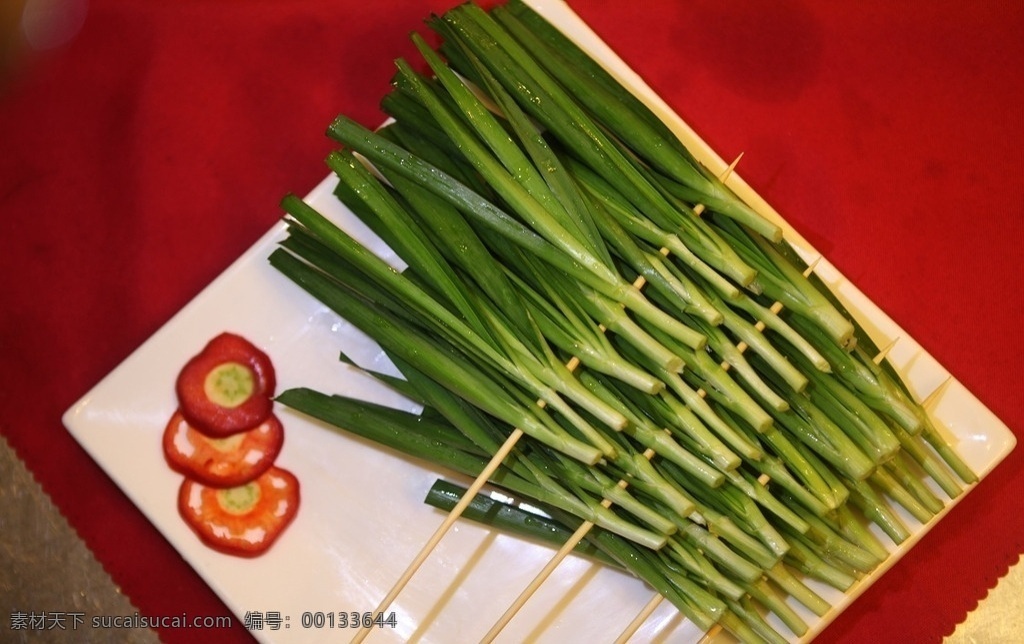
362	517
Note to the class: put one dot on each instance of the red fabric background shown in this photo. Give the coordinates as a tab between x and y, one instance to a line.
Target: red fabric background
140	159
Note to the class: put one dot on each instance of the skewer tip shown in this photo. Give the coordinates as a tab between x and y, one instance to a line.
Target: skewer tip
932	398
810	267
885	352
732	166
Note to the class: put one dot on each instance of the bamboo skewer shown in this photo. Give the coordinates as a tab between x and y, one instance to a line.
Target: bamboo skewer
568	546
639	620
550	566
477	485
655	601
456	512
764	479
574	540
582	531
541	577
442	529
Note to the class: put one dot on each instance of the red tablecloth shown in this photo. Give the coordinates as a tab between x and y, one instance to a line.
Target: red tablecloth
140	158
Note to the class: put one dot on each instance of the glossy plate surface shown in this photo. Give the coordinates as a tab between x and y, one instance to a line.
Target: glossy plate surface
362	518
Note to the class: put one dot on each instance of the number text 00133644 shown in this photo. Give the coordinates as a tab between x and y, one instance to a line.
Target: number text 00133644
274	620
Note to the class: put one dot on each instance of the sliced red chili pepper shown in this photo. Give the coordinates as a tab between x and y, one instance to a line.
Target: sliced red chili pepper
222	462
226	387
244	520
